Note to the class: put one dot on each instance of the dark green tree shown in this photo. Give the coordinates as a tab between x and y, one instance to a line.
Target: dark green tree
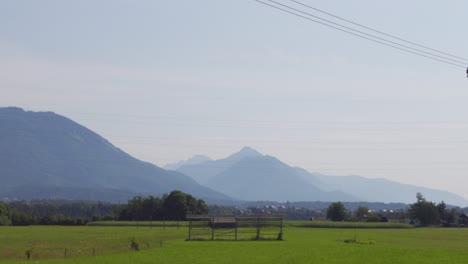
463	220
447	216
336	212
451	216
202	208
423	211
442	208
362	213
5	215
175	206
196	206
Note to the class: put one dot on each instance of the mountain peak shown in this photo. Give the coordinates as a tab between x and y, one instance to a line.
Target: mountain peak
245	152
249	151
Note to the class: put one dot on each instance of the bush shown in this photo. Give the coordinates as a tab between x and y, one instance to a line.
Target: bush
28	253
134	245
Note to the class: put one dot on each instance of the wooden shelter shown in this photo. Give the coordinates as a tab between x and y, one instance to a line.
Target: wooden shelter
229	227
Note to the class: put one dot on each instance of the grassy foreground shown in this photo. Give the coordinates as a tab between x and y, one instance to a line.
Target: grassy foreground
301	245
360	225
140	223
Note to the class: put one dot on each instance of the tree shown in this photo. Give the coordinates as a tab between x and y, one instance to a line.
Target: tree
425	212
463	220
5	215
362	212
442	209
447	216
451	217
373	217
336	212
175	206
202	208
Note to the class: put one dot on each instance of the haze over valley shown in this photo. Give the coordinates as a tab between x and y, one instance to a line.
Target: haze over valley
46	155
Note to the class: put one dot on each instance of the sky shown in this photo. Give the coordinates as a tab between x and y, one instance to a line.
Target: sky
165	80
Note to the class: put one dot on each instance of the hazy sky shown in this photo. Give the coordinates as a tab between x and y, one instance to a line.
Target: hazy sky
165	80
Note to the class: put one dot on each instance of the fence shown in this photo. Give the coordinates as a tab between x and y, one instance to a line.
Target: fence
251	227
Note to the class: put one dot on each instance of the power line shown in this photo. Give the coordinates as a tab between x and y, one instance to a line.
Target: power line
378	31
419	53
370	35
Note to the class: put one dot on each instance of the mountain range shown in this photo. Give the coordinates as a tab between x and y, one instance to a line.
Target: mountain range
45	155
250	175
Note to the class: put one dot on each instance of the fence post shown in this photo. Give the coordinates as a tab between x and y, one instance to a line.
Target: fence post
258	228
190	230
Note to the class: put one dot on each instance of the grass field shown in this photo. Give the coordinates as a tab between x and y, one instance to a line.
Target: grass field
167	245
360	225
141	223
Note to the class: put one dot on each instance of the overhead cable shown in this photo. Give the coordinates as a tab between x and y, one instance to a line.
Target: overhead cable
361	34
378	31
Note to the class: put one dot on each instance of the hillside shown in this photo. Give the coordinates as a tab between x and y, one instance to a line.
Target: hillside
267	178
381	190
45	155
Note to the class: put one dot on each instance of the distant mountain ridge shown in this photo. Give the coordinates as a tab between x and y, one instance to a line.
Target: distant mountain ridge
385	190
45	155
204	171
259	177
197	159
267	178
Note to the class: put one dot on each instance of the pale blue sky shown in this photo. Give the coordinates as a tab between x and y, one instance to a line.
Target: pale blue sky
165	80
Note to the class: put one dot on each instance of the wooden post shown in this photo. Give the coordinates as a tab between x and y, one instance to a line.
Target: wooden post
258	229
190	230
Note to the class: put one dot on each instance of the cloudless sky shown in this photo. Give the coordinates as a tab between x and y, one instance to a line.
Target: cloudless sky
165	80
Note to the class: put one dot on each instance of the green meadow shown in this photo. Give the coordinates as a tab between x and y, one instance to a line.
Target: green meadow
159	244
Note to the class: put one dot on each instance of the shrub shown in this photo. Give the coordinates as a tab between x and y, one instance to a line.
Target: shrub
134	245
28	253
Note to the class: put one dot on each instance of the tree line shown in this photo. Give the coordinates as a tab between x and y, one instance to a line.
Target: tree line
420	213
175	206
172	206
